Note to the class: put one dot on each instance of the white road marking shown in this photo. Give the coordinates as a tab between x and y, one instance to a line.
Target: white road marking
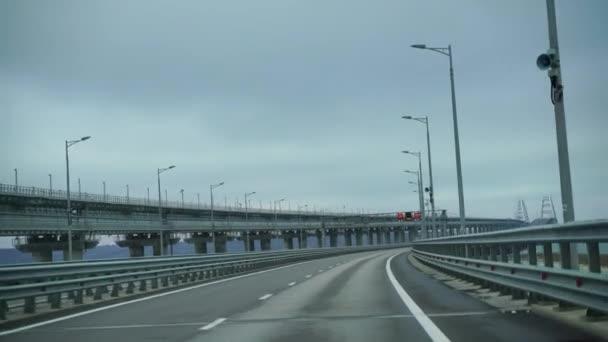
459	314
292	283
59	319
213	324
308	276
429	327
266	296
320	271
130	326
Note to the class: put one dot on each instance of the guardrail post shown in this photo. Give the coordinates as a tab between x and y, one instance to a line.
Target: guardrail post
130	287
532	257
484	252
593	251
493	253
516	253
3	309
30	305
548	254
564	251
468	253
115	290
165	281
143	285
154	283
55	300
78	298
504	256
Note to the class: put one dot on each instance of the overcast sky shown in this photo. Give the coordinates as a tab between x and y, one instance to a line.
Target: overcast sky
303	99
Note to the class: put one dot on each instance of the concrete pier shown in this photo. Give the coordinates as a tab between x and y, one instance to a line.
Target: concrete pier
348	238
42	246
359	237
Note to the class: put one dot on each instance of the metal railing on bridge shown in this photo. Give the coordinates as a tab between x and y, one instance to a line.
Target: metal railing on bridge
31	191
511	260
75	283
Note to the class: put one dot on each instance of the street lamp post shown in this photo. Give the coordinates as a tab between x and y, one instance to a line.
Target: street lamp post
247	217
420	198
127	193
79	193
198	200
301	229
16	180
51	183
550	61
211	187
182	192
421	191
104	190
160	208
425	121
448	52
276	212
69	143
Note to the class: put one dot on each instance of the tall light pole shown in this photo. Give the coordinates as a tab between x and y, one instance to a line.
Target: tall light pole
104	190
275	209
127	193
69	143
211	187
420	189
198	200
51	183
301	229
16	180
448	52
247	217
551	62
182	192
160	208
425	121
79	193
148	190
420	198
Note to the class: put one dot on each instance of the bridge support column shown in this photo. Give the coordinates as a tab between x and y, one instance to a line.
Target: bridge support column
251	246
265	243
288	241
42	255
348	238
333	238
136	251
42	246
219	242
387	236
319	235
359	237
397	235
379	237
370	237
200	242
411	232
303	239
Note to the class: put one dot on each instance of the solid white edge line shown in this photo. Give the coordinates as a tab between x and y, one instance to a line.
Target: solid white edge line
427	324
59	319
213	324
266	296
292	283
308	276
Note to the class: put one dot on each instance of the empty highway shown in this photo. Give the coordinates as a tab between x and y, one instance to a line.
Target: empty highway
373	296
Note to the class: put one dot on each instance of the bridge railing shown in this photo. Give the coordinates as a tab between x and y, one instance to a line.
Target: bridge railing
562	262
74	283
75	196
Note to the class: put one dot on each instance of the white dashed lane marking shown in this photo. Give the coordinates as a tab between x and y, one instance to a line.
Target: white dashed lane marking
266	296
292	283
213	324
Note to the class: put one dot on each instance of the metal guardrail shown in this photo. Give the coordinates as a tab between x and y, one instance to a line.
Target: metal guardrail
496	258
122	277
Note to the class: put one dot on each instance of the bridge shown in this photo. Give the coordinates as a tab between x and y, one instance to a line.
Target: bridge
505	285
38	217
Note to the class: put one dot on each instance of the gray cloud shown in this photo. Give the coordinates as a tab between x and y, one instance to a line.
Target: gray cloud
302	99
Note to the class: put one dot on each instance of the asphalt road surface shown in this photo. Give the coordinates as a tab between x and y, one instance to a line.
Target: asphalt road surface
346	298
